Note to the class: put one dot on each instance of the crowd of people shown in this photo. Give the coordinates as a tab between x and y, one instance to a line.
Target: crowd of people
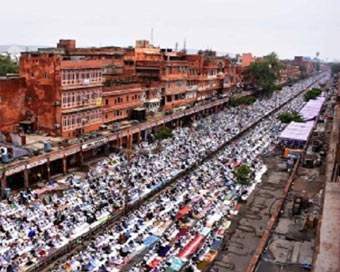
198	205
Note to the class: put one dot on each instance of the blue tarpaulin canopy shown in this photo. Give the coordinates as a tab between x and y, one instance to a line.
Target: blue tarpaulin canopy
150	240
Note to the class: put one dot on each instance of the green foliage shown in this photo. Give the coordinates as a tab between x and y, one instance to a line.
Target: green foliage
277	88
291	81
274	63
243	100
7	66
163	133
264	73
312	94
243	174
287	117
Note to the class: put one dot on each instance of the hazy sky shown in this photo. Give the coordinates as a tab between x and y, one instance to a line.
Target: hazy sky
288	27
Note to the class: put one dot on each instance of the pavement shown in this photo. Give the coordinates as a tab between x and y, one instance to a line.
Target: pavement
292	241
248	226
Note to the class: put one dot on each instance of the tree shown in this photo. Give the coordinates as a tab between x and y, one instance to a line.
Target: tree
312	94
243	100
243	174
7	66
274	63
287	117
264	73
163	133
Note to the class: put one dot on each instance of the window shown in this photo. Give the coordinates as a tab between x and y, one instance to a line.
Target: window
127	98
106	101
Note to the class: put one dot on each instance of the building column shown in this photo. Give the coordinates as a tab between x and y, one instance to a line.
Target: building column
139	137
129	140
3	183
81	157
118	141
48	170
64	165
26	178
106	149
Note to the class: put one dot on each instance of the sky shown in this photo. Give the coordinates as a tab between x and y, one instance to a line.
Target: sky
287	27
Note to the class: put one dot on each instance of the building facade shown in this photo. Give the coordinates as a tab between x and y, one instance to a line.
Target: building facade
68	91
64	94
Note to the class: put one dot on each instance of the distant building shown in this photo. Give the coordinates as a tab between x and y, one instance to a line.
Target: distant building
247	59
305	63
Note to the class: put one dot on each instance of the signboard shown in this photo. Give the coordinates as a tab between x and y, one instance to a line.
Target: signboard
98	101
36	163
15	170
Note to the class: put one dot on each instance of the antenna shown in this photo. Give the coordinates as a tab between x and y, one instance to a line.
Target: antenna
176	46
185	45
151	38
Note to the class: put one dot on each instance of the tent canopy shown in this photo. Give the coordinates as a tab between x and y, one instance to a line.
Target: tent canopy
312	108
297	131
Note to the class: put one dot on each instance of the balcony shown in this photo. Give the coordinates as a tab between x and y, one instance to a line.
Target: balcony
227	85
192	77
192	88
81	83
175	90
174	76
212	76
